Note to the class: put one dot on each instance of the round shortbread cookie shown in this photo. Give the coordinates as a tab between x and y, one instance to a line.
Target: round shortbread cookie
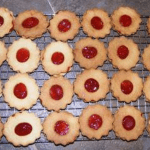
146	88
3	52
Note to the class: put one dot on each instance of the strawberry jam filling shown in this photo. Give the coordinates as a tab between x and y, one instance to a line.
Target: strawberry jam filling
22	55
30	22
1	21
97	23
64	25
56	92
57	58
89	52
91	85
126	87
122	52
128	122
125	20
20	91
95	121
23	129
61	127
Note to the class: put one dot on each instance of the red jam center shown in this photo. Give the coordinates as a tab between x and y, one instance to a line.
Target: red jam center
64	25
22	55
1	21
122	52
91	85
89	52
20	91
57	58
61	127
56	92
95	121
23	129
128	122
126	87
30	22
125	20
97	23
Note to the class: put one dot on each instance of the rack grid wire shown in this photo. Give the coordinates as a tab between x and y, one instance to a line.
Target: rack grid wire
141	38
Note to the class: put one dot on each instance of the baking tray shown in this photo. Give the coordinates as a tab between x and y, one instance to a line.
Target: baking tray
77	105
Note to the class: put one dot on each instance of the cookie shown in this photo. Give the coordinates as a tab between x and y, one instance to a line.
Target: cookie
126	20
126	86
123	53
1	129
22	128
3	52
146	88
6	21
61	127
56	93
91	85
31	24
148	25
96	121
129	123
148	124
23	55
64	25
90	53
96	23
21	91
57	58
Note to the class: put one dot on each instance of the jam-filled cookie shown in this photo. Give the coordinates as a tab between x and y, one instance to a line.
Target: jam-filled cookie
148	25
6	21
1	129
61	128
31	24
96	23
95	121
23	55
90	53
22	128
126	20
56	93
146	88
57	58
129	123
64	25
148	124
21	91
91	85
3	52
126	86
123	53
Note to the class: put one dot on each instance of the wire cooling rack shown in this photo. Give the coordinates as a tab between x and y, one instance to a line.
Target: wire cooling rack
77	105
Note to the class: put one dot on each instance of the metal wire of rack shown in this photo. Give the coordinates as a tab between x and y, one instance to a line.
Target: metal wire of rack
77	105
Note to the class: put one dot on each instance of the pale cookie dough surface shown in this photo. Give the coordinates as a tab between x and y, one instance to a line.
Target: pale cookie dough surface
3	52
70	34
49	125
22	117
133	55
146	88
34	56
97	75
32	91
120	131
107	120
94	62
148	25
1	129
88	28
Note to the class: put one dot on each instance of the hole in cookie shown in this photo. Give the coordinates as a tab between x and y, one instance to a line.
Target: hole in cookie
57	58
23	129
20	91
89	52
128	122
91	85
122	52
30	22
22	55
1	21
95	121
64	25
61	127
97	23
126	87
125	20
56	92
